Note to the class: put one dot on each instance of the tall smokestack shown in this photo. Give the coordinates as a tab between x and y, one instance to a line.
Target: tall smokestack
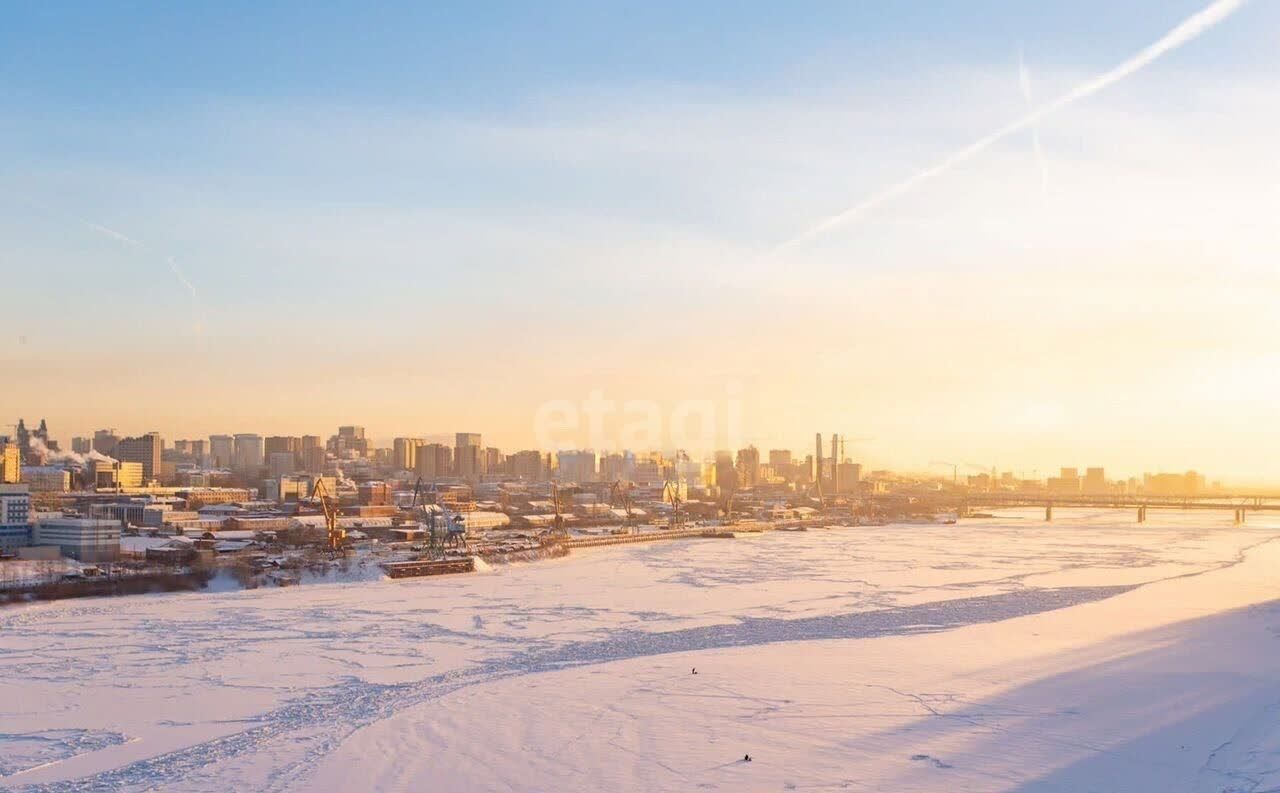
817	460
835	463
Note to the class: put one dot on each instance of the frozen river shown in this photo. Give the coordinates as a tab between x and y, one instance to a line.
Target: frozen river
1000	654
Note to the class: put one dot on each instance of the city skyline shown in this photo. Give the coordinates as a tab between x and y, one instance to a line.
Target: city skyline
406	238
244	452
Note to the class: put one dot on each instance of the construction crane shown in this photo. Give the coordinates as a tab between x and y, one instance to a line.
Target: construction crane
336	535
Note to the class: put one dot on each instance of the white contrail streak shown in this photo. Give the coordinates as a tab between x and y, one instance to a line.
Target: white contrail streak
113	234
121	237
1024	80
127	240
1190	28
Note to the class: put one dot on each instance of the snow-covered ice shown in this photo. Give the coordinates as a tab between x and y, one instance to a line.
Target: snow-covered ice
1004	654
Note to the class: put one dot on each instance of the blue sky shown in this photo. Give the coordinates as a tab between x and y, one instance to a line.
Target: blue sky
126	58
573	195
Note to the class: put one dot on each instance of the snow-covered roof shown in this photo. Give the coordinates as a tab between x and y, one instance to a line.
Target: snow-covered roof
141	544
230	546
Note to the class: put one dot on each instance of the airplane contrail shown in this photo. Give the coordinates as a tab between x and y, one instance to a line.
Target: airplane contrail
121	237
127	240
1024	80
113	234
1189	29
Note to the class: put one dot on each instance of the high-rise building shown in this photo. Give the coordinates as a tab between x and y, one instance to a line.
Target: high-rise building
144	449
576	466
611	467
248	453
81	445
351	438
467	455
222	451
105	441
434	461
312	454
281	464
1095	482
493	461
726	472
850	475
527	465
748	466
404	453
280	444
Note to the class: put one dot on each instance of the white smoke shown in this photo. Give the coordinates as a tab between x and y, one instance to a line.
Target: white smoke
341	476
47	455
1189	29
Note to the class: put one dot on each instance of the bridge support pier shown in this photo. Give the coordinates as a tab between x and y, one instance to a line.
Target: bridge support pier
1238	517
1142	514
1048	512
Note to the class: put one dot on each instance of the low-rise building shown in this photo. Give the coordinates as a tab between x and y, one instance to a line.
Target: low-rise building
115	475
46	478
83	539
15	517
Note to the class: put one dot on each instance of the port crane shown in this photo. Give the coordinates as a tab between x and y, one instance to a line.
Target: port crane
436	539
620	496
558	530
336	536
726	503
671	493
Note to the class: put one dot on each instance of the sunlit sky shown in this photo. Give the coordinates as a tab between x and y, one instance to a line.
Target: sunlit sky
232	218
